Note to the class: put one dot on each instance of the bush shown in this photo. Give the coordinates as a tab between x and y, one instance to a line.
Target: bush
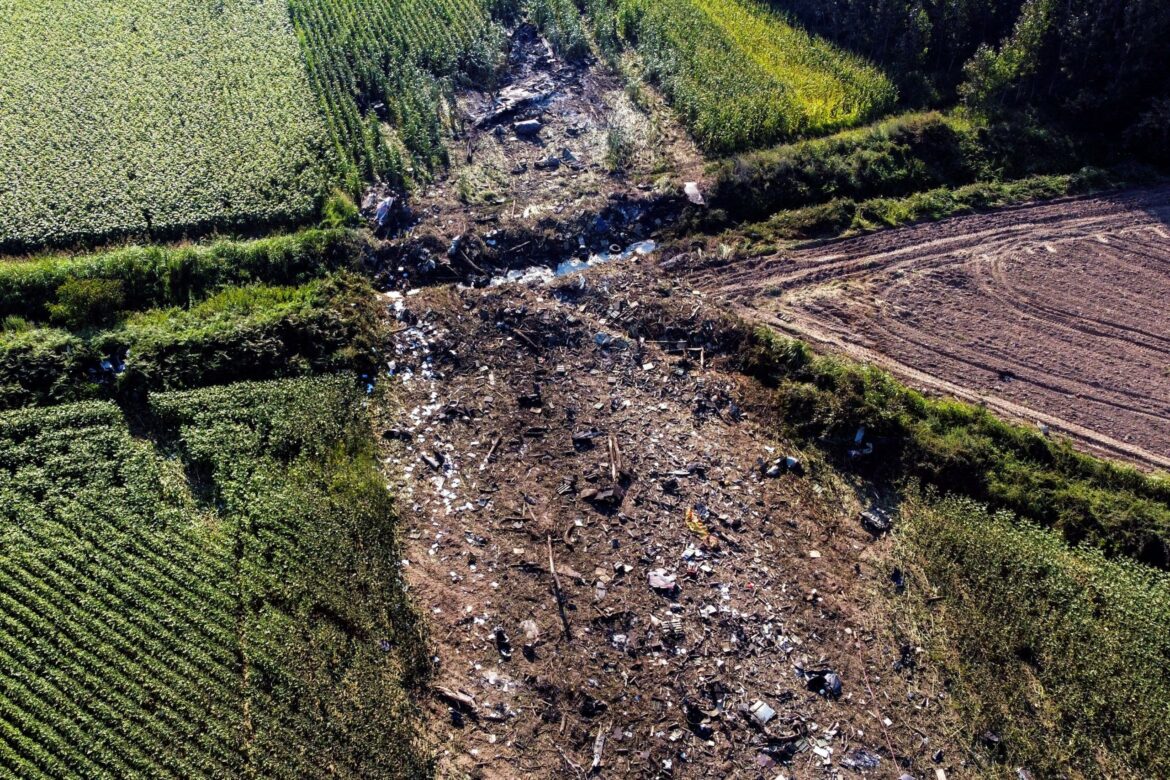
963	449
83	303
155	276
253	332
339	211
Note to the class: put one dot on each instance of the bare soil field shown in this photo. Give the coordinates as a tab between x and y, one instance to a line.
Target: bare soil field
1056	314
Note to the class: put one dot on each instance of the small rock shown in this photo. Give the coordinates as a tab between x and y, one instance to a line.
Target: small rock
529	127
549	163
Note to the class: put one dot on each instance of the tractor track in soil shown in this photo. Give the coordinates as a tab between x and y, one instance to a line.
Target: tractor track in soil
1053	313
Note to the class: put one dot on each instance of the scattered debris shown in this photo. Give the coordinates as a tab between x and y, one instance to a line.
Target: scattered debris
528	127
825	682
861	759
663	582
571	480
761	713
876	521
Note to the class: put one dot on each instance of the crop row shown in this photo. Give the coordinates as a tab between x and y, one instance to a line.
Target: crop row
189	116
1085	639
138	624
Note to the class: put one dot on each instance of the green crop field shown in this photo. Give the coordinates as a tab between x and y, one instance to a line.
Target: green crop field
742	77
1056	649
375	60
185	606
126	116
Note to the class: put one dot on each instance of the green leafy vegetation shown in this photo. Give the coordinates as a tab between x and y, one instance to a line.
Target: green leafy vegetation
847	217
964	449
250	332
892	158
159	276
561	23
1098	65
381	69
122	117
1058	652
740	76
221	602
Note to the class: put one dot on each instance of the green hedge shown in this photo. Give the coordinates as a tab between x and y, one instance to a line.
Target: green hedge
160	276
889	159
240	333
1059	652
964	449
847	217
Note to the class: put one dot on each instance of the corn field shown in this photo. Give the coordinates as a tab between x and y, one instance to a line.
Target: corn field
375	61
128	116
742	77
149	629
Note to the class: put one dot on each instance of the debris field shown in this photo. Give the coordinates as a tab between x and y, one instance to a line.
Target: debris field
624	572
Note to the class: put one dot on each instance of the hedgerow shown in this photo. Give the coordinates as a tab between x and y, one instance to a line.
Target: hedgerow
121	117
964	449
847	217
1057	652
741	76
890	159
252	332
191	609
154	276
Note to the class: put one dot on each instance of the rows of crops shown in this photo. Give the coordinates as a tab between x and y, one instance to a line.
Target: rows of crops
1027	624
152	626
371	61
742	77
129	116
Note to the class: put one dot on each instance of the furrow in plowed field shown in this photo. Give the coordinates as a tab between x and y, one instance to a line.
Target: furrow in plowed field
1053	313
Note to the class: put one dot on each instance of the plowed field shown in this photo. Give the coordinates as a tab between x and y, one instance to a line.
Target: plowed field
1055	313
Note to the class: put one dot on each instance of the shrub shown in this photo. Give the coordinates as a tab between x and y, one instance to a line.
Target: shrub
255	332
963	449
85	303
155	276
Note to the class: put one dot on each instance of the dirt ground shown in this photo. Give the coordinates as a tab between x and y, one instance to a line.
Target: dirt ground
601	154
1053	314
609	574
621	574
